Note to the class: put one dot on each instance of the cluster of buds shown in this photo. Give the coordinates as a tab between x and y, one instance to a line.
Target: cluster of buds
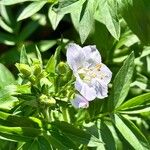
33	72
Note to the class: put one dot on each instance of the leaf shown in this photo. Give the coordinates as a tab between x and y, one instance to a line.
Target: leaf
31	9
50	67
39	143
53	61
11	2
136	14
107	14
18	133
87	21
7	39
142	100
10	57
6	14
23	56
38	55
77	135
54	142
28	30
66	6
55	17
6	99
131	133
19	121
5	26
121	83
6	77
31	145
67	142
102	132
136	105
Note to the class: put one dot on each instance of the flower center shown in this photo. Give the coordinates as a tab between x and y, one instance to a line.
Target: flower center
87	74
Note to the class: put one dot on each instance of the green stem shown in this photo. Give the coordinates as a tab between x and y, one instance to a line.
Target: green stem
65	115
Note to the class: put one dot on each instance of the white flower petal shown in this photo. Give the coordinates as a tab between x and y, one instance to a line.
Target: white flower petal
86	90
75	56
80	102
101	89
93	56
104	74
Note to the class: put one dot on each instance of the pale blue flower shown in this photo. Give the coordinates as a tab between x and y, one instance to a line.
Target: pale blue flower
92	76
80	102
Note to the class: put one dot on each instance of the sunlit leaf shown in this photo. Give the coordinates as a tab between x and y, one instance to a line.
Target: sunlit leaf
107	14
6	77
11	2
136	14
121	83
131	133
31	9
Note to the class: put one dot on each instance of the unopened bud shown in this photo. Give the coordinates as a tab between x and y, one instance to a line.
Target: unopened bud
24	69
44	99
37	69
62	68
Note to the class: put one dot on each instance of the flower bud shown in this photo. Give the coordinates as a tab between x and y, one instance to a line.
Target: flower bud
32	79
62	68
44	99
24	69
37	69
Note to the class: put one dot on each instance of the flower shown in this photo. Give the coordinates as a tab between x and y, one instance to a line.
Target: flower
92	76
80	102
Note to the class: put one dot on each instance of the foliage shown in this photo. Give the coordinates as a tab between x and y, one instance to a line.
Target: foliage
36	83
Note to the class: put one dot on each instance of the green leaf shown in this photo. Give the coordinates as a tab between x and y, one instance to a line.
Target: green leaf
31	145
19	133
31	9
107	14
54	142
136	101
5	13
23	56
6	99
131	133
28	30
53	61
67	142
38	55
137	104
39	143
7	39
66	6
77	135
6	77
5	26
19	121
75	17
102	132
136	14
50	67
87	21
121	83
11	2
55	17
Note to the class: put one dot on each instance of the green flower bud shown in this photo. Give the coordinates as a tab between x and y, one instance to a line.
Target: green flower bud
24	69
42	75
32	79
37	69
45	100
62	68
35	61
